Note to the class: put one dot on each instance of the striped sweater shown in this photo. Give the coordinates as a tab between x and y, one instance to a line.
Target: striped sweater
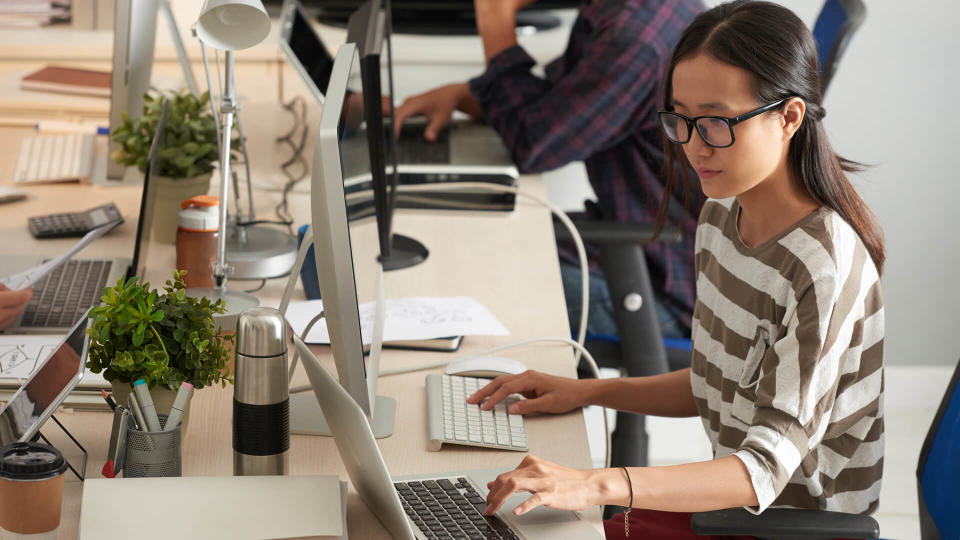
787	359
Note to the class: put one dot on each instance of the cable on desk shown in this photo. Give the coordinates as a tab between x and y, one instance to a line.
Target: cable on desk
255	289
298	109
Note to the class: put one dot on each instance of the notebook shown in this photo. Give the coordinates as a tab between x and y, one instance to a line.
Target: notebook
55	158
228	507
65	80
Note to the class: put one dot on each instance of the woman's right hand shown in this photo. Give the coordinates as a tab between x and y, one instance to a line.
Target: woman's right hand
544	393
437	105
12	303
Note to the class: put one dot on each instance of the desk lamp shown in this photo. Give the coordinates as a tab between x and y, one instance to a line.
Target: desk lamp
229	25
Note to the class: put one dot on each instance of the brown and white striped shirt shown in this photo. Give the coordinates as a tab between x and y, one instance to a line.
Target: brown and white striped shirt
787	367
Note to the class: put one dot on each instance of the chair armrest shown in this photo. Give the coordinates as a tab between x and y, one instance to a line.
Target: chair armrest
785	524
612	232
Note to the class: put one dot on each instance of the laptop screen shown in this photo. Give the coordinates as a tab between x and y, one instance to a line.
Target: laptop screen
145	220
304	49
43	392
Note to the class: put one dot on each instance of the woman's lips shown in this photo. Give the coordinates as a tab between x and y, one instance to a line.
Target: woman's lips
707	173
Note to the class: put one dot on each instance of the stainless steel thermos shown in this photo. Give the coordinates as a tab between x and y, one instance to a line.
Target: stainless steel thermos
261	404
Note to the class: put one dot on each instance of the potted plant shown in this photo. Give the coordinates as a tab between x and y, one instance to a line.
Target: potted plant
167	339
189	155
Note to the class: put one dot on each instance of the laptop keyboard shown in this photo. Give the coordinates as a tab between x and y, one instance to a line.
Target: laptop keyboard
62	297
413	149
450	508
452	420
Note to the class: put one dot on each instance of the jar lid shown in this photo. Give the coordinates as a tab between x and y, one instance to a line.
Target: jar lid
31	461
200	213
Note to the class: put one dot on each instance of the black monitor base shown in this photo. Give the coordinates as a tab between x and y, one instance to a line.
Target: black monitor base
404	253
445	22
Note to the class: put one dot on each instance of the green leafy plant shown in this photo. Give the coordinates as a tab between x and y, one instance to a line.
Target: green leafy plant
164	338
190	135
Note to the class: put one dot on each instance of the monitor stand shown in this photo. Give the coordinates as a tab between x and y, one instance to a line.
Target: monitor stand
306	418
404	253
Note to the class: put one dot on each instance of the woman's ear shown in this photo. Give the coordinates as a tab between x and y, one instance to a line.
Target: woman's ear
793	111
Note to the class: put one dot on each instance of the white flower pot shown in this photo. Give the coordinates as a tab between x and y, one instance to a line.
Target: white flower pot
170	192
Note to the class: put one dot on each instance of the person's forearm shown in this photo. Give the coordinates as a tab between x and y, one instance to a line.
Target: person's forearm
668	394
497	26
693	487
468	104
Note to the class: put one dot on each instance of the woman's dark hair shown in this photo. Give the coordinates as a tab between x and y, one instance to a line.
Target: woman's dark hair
772	44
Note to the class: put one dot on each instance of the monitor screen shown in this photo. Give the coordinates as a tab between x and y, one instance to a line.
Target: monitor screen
43	392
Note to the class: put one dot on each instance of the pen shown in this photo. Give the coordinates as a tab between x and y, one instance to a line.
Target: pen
179	404
108	399
55	126
147	409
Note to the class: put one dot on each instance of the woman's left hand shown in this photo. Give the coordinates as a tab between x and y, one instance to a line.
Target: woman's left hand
555	486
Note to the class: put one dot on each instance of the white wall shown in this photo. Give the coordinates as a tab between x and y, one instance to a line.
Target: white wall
893	105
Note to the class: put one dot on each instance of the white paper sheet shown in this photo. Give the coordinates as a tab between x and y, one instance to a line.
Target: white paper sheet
29	278
20	355
407	319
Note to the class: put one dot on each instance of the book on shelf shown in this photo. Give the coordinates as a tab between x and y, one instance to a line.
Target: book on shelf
67	80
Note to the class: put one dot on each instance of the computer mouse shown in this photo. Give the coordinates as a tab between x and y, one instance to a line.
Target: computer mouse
485	366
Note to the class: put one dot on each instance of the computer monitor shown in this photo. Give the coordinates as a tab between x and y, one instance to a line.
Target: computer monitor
369	29
341	157
304	49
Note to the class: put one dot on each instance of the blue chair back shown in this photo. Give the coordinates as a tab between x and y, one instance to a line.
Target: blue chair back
835	25
938	470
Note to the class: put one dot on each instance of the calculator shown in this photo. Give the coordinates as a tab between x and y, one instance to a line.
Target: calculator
73	223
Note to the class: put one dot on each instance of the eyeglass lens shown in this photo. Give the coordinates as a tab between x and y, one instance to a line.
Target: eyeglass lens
714	131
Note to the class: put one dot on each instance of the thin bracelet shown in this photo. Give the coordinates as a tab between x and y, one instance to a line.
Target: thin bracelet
626	515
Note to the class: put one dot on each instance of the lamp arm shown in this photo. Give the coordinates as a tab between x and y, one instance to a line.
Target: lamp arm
227	111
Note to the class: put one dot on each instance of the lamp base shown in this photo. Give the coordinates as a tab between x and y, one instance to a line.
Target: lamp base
237	302
259	252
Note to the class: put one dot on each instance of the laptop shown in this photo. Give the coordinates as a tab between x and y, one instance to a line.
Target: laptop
464	152
22	416
61	297
428	505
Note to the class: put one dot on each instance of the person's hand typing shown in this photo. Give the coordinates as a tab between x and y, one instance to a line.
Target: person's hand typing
437	105
544	393
12	303
556	486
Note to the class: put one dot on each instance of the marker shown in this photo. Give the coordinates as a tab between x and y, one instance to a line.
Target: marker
108	399
137	415
147	409
179	404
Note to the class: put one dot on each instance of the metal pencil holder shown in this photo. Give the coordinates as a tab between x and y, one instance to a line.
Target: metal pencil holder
151	454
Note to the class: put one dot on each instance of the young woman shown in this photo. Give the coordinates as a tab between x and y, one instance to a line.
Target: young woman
788	326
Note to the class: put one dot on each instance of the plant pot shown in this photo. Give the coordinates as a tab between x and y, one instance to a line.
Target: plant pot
168	194
162	400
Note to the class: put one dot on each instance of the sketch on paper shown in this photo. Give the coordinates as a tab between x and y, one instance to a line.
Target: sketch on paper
19	360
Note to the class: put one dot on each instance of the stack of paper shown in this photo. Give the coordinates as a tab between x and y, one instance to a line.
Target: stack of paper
26	13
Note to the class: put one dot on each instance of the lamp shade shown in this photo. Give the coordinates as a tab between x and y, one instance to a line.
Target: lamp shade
231	25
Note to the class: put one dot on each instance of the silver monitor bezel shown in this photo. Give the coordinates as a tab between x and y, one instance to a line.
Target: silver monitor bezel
331	238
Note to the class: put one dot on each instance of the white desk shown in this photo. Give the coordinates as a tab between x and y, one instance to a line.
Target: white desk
506	261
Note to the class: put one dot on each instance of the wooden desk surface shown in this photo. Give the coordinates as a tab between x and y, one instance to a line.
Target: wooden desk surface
506	261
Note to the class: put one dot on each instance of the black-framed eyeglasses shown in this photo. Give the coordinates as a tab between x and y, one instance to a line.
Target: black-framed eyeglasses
716	131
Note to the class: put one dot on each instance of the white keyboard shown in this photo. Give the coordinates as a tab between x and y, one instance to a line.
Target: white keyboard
452	420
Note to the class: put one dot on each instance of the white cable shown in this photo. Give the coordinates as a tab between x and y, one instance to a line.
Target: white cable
296	356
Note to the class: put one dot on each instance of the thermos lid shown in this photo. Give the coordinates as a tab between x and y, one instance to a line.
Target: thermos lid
200	213
31	461
261	331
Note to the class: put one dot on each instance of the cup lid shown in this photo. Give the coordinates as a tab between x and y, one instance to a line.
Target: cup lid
31	461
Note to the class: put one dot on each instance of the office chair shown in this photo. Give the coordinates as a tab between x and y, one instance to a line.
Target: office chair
836	24
938	489
642	350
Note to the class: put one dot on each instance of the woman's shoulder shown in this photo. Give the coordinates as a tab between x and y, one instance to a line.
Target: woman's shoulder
830	249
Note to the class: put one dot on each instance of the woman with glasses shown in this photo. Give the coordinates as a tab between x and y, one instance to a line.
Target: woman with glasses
786	371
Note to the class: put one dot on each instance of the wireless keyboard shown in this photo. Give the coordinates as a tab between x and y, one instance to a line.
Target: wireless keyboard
454	421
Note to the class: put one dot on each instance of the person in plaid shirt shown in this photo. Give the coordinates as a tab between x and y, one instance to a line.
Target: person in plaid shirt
597	104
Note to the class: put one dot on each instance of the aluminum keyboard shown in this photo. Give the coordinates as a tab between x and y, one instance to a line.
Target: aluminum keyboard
452	420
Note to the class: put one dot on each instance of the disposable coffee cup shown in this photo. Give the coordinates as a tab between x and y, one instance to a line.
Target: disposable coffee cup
31	491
